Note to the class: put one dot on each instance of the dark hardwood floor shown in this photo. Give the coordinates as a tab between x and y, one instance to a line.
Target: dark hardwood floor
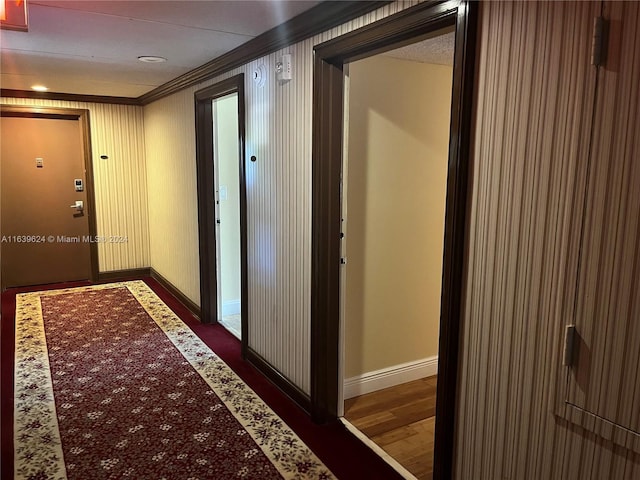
401	421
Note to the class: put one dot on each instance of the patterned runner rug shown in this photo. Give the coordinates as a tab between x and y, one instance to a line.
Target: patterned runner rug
110	383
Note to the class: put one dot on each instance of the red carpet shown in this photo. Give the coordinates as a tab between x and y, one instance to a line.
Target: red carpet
342	453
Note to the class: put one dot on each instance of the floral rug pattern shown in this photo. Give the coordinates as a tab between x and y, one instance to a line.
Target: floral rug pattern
137	395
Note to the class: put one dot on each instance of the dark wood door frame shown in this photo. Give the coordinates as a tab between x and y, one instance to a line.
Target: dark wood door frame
206	201
82	116
328	86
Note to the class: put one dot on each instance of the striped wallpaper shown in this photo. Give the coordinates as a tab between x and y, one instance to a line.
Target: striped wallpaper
120	182
278	199
608	302
535	96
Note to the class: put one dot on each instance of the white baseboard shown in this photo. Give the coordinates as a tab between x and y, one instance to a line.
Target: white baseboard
231	308
389	377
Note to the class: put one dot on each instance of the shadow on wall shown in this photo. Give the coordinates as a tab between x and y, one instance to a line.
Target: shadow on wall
397	166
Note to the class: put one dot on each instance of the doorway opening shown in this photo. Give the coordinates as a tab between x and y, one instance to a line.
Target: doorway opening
220	132
394	180
48	224
227	187
331	58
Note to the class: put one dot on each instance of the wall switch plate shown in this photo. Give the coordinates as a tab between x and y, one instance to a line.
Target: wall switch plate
39	162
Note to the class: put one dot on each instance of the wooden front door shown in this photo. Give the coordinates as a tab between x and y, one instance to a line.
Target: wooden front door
44	238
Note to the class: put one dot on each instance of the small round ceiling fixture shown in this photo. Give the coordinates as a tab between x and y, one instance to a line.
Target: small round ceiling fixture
39	88
151	59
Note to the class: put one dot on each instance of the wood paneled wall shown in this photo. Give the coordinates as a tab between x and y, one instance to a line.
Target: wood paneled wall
120	181
536	92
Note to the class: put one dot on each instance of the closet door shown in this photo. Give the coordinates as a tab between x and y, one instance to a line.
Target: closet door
604	381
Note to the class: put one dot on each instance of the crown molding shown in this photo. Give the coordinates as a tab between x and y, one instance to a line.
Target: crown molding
317	19
70	97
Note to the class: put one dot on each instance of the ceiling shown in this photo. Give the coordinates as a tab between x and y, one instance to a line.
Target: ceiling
437	48
92	47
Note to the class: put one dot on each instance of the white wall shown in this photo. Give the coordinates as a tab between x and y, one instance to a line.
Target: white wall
226	151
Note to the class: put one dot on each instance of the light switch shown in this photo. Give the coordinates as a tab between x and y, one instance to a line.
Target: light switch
39	162
223	192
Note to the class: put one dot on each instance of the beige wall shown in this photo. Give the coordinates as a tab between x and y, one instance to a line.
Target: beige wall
397	171
226	145
120	182
173	210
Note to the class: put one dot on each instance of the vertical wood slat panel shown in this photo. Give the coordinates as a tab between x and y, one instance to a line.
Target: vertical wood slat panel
120	182
278	121
532	123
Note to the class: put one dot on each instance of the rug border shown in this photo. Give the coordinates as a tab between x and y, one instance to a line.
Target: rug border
33	391
266	428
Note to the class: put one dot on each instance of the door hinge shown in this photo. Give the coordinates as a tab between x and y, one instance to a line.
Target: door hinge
569	339
599	45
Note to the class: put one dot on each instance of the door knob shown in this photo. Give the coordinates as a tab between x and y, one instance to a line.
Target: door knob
79	205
